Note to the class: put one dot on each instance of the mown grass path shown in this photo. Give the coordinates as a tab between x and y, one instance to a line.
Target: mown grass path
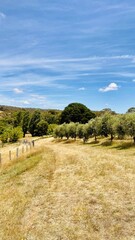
69	191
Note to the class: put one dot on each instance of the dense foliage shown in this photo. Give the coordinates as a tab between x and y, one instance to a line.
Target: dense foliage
76	112
11	135
106	125
37	122
77	121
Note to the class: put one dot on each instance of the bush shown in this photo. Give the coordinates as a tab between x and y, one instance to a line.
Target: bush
4	137
11	135
51	128
42	127
15	134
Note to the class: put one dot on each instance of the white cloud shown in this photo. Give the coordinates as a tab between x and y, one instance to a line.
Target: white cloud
17	90
110	87
2	15
81	89
25	102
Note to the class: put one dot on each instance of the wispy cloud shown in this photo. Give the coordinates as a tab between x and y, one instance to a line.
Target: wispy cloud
2	15
25	102
64	49
17	90
81	89
110	87
84	66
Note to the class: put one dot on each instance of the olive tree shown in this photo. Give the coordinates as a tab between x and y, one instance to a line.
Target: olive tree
130	125
120	126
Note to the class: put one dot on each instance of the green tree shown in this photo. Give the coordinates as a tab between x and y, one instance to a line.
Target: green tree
76	112
25	122
120	126
86	132
35	119
111	125
15	134
42	128
11	134
95	126
108	125
51	128
5	136
52	117
18	118
3	125
79	130
130	125
131	110
60	131
72	128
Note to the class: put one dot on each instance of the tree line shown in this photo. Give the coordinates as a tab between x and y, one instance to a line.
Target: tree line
76	120
21	122
107	125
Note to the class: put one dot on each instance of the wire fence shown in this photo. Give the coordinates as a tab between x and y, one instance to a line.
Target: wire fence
15	152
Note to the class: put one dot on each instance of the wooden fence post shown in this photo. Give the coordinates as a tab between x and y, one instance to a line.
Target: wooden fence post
33	143
22	150
17	152
30	144
26	147
10	155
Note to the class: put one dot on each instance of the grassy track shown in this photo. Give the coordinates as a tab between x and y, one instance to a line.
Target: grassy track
69	191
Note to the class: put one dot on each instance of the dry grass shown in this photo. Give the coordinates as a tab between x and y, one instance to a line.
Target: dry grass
69	192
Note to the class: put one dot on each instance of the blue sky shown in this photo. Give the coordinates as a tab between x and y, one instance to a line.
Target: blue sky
55	52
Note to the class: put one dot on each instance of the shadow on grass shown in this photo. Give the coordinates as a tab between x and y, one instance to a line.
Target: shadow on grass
67	141
93	143
64	140
107	143
125	145
99	143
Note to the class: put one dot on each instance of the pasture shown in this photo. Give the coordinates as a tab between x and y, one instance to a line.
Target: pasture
67	190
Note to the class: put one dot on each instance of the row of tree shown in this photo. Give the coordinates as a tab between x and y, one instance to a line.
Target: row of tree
107	125
25	123
39	123
76	121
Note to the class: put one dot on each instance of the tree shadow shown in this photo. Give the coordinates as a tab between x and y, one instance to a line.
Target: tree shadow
68	141
125	145
107	143
95	143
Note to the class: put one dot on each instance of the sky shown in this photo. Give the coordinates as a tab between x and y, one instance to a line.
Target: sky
55	52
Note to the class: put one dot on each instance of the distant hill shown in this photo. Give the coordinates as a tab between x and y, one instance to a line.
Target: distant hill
7	110
11	109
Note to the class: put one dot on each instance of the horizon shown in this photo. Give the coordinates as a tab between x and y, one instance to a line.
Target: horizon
56	109
54	53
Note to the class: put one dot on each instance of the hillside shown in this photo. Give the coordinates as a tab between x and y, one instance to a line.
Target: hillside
69	191
11	109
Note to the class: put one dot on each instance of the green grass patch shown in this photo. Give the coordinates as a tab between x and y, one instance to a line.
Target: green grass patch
21	165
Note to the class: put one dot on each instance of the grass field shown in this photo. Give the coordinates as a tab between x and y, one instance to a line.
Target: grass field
69	191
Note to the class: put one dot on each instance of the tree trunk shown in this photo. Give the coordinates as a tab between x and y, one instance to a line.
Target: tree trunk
111	137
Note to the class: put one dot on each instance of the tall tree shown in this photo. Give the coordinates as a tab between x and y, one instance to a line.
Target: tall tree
130	125
25	122
33	125
76	112
42	128
18	118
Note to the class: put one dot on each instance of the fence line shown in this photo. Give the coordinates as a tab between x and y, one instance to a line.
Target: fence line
17	152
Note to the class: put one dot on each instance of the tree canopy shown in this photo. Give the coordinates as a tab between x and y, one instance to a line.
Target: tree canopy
131	110
76	112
